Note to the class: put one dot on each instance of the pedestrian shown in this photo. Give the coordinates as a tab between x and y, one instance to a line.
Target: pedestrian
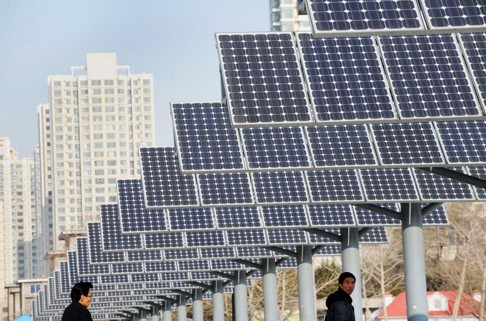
81	298
339	303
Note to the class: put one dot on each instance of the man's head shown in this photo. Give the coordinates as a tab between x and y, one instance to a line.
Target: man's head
81	292
347	282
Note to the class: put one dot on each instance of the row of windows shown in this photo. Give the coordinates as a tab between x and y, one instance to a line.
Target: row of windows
106	91
107	100
105	82
99	109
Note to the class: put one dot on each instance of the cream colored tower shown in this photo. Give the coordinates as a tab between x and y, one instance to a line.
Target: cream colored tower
96	120
284	16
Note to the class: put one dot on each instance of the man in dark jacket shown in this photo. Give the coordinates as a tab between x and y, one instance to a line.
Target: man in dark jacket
338	304
78	310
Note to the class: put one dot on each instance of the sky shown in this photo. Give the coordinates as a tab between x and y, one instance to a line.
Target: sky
172	39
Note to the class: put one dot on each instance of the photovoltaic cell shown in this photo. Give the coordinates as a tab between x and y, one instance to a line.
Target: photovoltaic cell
205	139
454	14
340	145
407	143
376	235
345	79
474	47
127	268
428	77
225	189
389	185
286	236
437	217
84	266
163	185
96	254
205	239
479	172
144	256
366	217
164	240
275	147
331	249
280	187
284	216
246	237
330	215
237	217
135	217
181	254
352	16
463	141
160	266
334	186
191	219
435	187
113	239
262	78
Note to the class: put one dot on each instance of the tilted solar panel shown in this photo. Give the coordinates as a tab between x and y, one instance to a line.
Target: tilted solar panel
95	246
280	187
284	216
225	189
442	14
391	184
331	215
111	229
435	187
334	186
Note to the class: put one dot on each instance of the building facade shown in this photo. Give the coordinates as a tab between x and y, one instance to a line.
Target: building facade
284	16
97	118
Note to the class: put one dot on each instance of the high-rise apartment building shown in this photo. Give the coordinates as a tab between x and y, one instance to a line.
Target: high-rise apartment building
90	133
284	16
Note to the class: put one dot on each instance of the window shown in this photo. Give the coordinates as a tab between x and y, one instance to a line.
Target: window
95	82
108	82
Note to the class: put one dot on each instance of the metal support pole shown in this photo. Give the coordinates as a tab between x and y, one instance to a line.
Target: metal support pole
350	257
305	275
167	314
218	301
414	261
181	308
270	304
240	302
197	305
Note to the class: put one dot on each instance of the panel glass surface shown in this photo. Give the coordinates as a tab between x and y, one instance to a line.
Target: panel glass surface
262	78
205	138
345	78
96	254
287	236
284	216
113	239
191	219
238	217
454	14
164	240
225	189
84	265
366	217
332	16
428	77
479	172
331	215
334	186
280	187
437	217
205	239
474	47
434	187
389	185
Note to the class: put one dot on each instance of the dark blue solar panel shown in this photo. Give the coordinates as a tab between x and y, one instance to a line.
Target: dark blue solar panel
437	217
181	276
479	172
181	254
407	143
193	266
191	219
135	217
164	240
454	14
346	79
144	256
354	15
262	78
376	235
331	215
237	217
275	147
433	187
145	277
127	268
160	266
111	229
389	185
463	141
287	236
163	185
474	47
371	218
342	145
284	216
204	137
115	278
218	265
205	239
331	249
246	237
84	266
428	77
225	189
65	284
227	252
334	186
280	187
96	253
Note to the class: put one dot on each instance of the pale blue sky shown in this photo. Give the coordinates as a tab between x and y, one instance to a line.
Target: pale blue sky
173	40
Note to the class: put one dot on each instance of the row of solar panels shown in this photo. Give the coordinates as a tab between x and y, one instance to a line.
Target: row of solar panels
351	17
286	79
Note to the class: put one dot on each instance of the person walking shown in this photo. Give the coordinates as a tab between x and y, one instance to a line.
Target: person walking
81	298
339	304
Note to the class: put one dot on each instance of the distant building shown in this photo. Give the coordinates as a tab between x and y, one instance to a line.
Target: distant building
97	118
440	306
284	16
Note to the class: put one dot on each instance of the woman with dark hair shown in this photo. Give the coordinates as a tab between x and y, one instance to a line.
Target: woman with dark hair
81	298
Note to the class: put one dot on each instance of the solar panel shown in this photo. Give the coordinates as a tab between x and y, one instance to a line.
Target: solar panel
435	187
181	254
280	187
275	147
111	229
246	237
191	219
65	284
344	17
96	254
474	46
341	145
133	214
159	164
84	266
237	217
225	189
164	240
160	266
284	216
205	239
479	172
346	79
366	217
437	217
376	235
262	78
330	215
115	278
389	185
428	77
442	14
144	256
205	139
407	143
334	186
225	252
286	236
127	268
463	141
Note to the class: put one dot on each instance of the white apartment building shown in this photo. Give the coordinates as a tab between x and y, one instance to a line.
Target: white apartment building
90	133
284	16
